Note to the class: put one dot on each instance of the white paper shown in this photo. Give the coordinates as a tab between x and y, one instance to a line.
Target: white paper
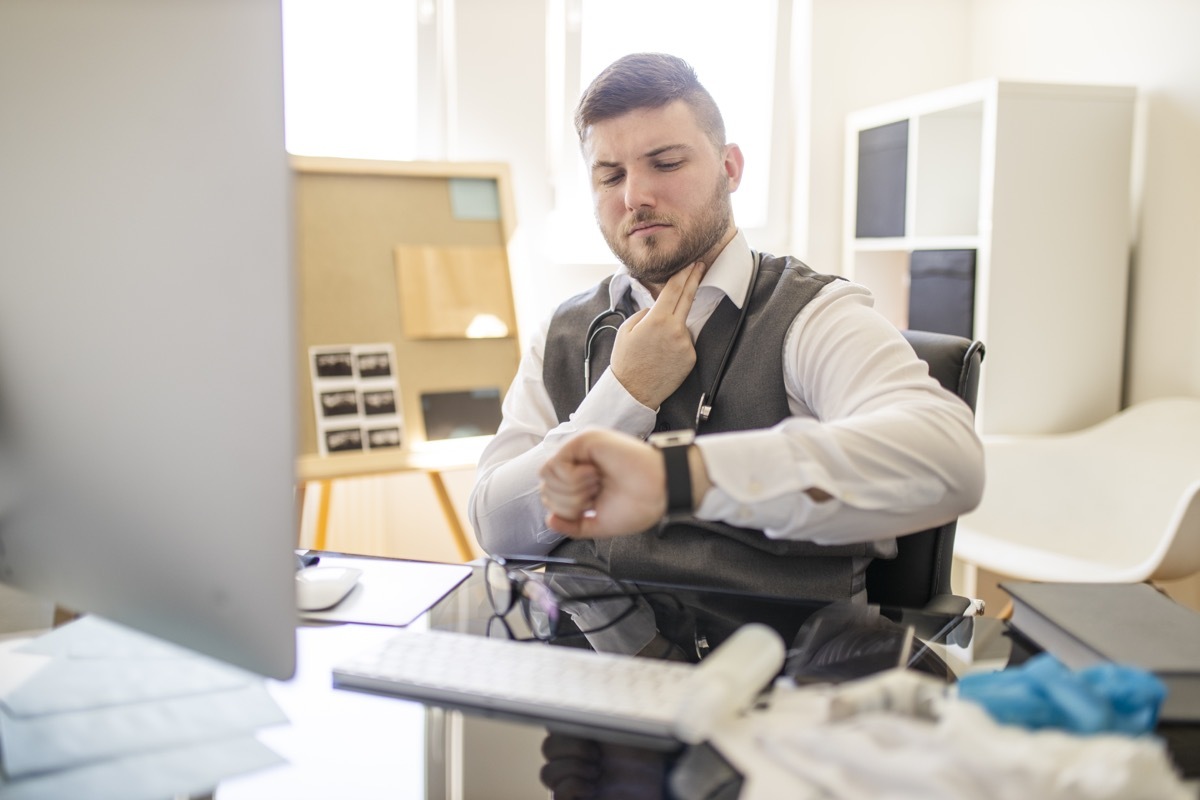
60	741
390	592
93	691
17	667
82	684
148	776
93	663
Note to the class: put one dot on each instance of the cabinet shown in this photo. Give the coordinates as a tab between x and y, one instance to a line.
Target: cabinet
1001	210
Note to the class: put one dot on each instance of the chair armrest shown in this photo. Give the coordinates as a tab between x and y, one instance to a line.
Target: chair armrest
947	604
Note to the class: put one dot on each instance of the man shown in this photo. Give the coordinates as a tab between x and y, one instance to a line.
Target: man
826	437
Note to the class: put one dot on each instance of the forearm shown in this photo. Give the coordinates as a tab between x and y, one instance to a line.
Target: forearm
906	467
874	448
505	508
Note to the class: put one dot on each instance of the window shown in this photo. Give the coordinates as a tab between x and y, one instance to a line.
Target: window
361	79
740	54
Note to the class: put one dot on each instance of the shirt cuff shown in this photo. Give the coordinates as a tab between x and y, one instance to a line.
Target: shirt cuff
610	405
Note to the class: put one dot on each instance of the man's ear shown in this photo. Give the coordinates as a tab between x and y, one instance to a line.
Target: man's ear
733	165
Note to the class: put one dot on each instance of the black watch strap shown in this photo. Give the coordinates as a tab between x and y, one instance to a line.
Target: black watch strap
675	446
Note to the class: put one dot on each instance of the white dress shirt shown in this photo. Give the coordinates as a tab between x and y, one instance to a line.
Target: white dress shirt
895	451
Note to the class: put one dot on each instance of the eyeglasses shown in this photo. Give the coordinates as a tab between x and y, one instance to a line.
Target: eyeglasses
571	600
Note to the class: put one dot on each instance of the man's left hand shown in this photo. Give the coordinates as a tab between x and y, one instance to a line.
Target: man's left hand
602	484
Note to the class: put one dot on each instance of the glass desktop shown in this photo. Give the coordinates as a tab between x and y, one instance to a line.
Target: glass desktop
392	747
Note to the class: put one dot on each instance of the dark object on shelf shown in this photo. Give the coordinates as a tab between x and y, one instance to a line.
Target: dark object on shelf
941	294
882	180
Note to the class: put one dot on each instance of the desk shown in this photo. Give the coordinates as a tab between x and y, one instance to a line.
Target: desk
347	744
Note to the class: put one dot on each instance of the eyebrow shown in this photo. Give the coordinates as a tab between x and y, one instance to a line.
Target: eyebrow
658	151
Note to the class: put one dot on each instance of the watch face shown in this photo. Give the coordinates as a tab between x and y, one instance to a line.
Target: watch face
672	438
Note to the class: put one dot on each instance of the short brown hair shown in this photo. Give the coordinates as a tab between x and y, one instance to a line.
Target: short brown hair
648	80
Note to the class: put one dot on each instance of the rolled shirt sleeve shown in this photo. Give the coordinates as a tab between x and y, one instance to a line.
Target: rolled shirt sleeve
895	451
505	508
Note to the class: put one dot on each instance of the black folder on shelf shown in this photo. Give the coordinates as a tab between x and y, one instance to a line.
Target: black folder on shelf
941	293
882	181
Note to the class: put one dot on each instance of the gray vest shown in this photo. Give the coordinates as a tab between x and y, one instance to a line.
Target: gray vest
752	396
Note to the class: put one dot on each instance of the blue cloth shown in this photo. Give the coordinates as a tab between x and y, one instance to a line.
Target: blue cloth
1042	693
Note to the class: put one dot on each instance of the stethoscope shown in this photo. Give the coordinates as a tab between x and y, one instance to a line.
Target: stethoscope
603	322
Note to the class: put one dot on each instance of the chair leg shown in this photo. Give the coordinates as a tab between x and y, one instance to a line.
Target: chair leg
1006	612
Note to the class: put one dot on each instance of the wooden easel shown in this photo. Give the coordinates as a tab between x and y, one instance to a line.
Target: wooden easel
386	253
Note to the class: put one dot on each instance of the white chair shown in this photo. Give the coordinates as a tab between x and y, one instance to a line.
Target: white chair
1117	502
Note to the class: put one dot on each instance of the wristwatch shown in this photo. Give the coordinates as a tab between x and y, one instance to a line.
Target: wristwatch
675	446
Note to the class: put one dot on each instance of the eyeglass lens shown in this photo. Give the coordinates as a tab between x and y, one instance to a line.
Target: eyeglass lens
541	608
497	628
589	596
499	587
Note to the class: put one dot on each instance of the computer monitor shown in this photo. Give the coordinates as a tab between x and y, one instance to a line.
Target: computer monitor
147	364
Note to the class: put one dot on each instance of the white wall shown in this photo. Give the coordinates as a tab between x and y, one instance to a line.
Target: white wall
866	52
871	51
501	116
1150	44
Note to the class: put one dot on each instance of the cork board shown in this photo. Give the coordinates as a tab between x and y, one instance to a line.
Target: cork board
357	224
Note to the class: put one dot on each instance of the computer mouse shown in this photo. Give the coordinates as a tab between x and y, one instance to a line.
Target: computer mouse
319	588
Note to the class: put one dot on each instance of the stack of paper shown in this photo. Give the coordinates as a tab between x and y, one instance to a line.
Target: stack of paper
97	710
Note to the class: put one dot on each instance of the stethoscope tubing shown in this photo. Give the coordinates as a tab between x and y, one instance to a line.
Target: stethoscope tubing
594	329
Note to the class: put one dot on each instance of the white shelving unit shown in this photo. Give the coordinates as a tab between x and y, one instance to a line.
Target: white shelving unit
1035	179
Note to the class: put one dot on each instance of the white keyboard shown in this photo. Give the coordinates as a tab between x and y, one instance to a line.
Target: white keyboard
647	697
528	679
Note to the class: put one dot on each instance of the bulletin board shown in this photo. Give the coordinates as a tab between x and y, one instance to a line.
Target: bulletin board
407	261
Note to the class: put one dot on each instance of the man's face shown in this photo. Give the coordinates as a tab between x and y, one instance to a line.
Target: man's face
661	189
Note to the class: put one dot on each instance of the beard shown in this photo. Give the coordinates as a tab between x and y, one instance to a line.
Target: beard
653	261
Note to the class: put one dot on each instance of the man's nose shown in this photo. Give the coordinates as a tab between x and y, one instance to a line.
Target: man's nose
639	191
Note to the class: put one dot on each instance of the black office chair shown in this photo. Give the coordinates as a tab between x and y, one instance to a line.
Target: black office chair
919	576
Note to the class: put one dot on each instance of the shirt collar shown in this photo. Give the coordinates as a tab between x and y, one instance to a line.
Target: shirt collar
729	274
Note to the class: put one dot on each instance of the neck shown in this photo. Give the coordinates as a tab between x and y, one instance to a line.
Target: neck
707	259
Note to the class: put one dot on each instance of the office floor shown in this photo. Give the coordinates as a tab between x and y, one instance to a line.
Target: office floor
1186	591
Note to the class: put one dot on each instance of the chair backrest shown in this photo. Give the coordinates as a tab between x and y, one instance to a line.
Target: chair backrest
921	569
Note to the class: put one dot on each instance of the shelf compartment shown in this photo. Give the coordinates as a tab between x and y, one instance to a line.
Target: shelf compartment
885	273
948	162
